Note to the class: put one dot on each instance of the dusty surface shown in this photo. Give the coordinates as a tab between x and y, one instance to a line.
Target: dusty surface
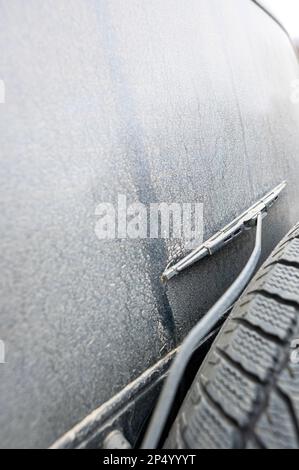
156	100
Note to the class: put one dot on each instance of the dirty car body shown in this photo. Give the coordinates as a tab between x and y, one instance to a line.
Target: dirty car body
158	101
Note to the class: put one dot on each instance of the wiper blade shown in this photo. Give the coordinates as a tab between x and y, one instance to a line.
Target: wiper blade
241	223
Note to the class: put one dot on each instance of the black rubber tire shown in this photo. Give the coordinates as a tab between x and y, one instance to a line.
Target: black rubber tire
246	393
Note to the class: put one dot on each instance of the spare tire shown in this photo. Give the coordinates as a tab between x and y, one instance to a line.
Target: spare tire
246	393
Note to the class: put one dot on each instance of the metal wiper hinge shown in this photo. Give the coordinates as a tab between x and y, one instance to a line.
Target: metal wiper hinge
243	222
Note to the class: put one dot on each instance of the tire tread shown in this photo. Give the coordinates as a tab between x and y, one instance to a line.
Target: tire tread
246	393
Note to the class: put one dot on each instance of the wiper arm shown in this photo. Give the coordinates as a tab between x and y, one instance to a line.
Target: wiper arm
194	340
244	222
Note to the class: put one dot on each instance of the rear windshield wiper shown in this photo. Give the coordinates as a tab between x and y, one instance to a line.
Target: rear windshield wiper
243	222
